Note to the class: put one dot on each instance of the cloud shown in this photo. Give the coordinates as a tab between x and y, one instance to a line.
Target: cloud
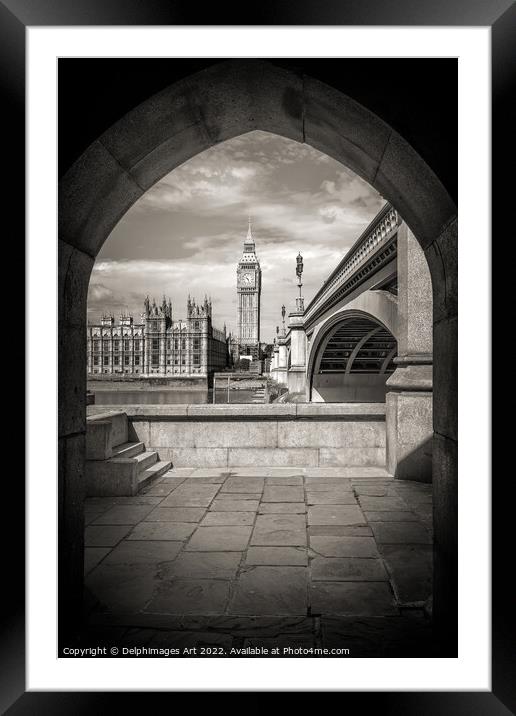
97	292
186	233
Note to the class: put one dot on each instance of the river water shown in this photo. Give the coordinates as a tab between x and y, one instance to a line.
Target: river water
169	397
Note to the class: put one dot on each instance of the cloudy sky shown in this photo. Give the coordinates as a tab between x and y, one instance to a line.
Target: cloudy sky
186	233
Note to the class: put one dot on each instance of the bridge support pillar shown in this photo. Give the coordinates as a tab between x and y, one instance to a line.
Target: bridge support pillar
409	429
296	373
281	373
274	364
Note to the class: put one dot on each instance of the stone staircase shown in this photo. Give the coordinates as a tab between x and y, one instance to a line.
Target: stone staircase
116	466
258	395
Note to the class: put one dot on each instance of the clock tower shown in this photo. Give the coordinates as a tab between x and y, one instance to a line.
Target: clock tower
249	287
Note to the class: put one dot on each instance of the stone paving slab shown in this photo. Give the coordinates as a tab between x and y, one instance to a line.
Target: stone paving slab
347	472
124	515
239	496
221	505
249	471
423	510
175	531
180	472
340	530
199	480
410	569
332	487
416	500
138	500
352	569
188	495
91	514
103	502
371	490
294	508
209	472
144	552
219	539
352	599
203	565
400	533
190	596
228	518
281	480
285	471
122	588
106	502
330	498
163	488
278	493
382	504
335	515
279	530
270	556
243	485
271	590
176	514
163	480
395	516
344	546
94	555
104	535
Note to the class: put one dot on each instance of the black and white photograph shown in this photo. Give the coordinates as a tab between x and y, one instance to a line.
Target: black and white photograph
252	355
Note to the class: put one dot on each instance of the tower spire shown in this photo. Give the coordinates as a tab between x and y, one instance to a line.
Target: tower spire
249	241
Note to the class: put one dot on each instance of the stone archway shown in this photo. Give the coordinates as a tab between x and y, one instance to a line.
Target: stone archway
229	99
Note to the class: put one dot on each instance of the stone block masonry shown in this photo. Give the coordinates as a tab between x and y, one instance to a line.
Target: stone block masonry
291	435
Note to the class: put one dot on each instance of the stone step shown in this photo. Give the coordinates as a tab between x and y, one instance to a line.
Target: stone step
128	450
146	477
140	462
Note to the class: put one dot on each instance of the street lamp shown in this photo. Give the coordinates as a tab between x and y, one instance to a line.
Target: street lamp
299	273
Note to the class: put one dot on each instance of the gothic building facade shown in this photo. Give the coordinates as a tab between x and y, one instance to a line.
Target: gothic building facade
158	345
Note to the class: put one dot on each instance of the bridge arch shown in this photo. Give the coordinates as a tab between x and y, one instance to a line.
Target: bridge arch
351	358
380	305
223	101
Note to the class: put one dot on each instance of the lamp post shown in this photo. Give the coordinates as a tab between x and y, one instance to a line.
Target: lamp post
300	304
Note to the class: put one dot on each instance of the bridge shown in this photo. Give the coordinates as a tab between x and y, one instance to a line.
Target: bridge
366	337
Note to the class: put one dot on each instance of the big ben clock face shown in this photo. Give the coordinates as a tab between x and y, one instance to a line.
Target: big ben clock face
247	279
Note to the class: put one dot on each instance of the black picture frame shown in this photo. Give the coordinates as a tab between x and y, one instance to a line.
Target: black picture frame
15	17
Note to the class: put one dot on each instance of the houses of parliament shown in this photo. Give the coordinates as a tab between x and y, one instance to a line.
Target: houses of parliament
190	347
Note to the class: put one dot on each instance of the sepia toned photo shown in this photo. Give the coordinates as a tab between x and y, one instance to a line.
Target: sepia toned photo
257	361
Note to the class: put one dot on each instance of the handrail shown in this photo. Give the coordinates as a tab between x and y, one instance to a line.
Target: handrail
381	226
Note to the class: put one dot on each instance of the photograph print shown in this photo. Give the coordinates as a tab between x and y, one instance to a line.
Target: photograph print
257	358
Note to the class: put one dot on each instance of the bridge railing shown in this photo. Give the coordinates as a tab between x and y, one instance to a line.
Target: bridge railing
368	243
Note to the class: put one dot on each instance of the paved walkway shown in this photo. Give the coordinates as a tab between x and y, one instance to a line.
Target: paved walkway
333	557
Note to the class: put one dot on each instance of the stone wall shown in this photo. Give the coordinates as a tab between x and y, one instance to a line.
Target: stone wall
263	435
352	388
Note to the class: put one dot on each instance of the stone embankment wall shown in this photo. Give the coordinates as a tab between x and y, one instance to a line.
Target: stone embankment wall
260	435
117	382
